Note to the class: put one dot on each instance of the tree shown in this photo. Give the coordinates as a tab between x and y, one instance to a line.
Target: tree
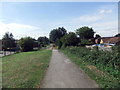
27	44
56	34
43	41
97	36
117	35
70	39
85	32
85	42
59	44
8	41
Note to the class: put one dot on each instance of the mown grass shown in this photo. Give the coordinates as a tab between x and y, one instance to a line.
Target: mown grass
25	70
96	71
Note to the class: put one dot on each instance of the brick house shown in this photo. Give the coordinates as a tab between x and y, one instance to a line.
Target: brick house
108	40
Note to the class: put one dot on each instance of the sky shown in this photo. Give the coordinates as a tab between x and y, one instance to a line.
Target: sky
37	19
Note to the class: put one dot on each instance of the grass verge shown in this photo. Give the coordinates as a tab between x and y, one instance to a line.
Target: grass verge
25	70
103	79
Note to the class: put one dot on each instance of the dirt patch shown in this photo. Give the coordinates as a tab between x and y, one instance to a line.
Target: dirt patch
94	69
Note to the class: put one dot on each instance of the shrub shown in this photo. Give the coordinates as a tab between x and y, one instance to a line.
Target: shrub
26	44
105	60
70	39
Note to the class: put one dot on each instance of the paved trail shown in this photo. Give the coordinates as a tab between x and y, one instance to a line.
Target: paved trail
62	73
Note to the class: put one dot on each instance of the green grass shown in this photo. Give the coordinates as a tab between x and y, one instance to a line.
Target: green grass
102	78
0	73
25	70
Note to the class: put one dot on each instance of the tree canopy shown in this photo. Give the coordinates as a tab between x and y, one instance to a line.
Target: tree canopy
56	34
43	41
8	41
85	32
27	43
117	35
97	36
70	39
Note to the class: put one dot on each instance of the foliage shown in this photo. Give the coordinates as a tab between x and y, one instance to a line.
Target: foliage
70	39
97	36
59	44
8	41
25	70
84	42
117	35
85	32
26	43
56	34
116	48
104	60
43	41
61	38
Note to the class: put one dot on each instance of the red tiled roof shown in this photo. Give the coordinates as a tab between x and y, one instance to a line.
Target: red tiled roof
112	40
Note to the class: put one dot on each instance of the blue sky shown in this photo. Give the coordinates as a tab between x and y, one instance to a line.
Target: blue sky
39	18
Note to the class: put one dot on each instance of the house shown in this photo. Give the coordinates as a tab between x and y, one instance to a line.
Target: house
108	40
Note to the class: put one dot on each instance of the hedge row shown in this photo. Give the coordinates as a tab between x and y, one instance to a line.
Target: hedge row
105	60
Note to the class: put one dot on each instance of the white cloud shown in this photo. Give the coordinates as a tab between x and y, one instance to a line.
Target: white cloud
20	30
101	22
93	17
88	18
15	26
105	11
109	11
106	29
102	11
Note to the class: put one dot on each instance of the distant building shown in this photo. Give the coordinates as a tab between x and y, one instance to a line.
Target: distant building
109	40
104	42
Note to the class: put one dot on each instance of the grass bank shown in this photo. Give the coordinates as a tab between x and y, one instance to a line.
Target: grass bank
103	67
25	70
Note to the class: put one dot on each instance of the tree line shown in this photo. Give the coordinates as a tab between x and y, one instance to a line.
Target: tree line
81	36
59	37
9	43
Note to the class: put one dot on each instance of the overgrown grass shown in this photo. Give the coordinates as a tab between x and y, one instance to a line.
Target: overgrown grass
25	70
102	66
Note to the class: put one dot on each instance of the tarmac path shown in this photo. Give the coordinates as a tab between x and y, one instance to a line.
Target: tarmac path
62	73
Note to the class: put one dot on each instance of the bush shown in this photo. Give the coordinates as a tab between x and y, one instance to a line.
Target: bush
69	39
85	42
26	44
105	60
